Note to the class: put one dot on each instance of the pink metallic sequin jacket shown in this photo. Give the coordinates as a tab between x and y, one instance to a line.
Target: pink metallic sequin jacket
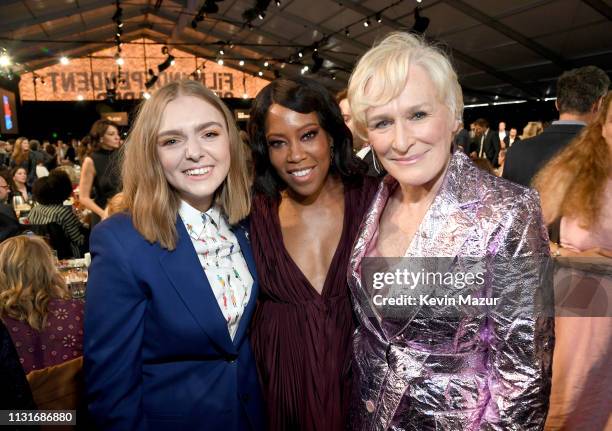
488	371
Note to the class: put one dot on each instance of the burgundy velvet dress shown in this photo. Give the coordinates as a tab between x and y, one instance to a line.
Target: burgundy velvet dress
301	339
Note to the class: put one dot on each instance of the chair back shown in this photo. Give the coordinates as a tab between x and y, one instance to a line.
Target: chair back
60	387
55	236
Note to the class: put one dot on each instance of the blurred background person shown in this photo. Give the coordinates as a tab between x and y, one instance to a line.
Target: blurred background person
20	187
100	172
501	131
579	96
22	157
462	139
361	147
50	193
512	138
9	225
531	129
486	142
576	193
45	323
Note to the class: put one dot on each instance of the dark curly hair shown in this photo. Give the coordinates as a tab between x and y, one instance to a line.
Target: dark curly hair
301	95
53	189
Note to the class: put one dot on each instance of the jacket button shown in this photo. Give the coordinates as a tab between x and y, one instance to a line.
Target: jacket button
370	407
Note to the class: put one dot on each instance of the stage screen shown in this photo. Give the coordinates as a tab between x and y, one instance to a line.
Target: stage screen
8	123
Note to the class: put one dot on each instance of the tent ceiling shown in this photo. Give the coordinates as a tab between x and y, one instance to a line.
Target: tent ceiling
511	49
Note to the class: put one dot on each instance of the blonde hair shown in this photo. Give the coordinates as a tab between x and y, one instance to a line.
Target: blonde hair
28	280
18	154
387	65
573	183
147	196
533	128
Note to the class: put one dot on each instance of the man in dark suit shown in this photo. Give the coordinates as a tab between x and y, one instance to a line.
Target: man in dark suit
512	138
579	96
485	143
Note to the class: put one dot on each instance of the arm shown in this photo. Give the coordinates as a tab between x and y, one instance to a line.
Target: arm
114	327
520	329
88	172
72	226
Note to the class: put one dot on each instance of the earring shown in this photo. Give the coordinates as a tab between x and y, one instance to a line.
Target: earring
374	158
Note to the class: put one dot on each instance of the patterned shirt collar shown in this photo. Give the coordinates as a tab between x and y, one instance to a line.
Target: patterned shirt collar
197	218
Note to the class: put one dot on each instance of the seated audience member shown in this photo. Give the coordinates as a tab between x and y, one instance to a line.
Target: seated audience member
9	225
50	193
15	393
46	325
579	96
19	186
52	157
24	158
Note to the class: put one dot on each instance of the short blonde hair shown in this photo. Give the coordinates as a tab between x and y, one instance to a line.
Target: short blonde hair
387	65
28	280
147	196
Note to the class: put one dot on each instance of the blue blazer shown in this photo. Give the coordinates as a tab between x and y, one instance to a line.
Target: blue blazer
158	354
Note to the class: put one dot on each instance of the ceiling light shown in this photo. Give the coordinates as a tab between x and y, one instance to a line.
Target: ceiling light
300	54
278	3
261	15
119	61
260	73
220	62
245	96
221	52
146	95
64	60
241	62
366	23
379	17
266	64
347	32
80	97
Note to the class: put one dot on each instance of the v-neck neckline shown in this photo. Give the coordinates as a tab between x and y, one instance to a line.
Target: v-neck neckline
334	259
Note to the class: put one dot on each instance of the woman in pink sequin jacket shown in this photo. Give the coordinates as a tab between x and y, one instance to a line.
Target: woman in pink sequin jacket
481	366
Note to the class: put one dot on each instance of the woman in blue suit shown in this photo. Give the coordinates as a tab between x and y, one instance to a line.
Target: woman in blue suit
172	285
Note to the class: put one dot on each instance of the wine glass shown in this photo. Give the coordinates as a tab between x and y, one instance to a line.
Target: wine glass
17	204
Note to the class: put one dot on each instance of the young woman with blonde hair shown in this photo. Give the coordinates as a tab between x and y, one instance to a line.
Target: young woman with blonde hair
45	323
576	192
172	284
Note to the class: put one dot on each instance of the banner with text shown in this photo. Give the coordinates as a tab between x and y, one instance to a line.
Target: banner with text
89	78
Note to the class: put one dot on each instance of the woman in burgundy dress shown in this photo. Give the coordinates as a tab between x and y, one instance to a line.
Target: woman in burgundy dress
310	195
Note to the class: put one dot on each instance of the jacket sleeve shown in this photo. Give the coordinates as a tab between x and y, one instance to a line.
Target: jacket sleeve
114	326
520	328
